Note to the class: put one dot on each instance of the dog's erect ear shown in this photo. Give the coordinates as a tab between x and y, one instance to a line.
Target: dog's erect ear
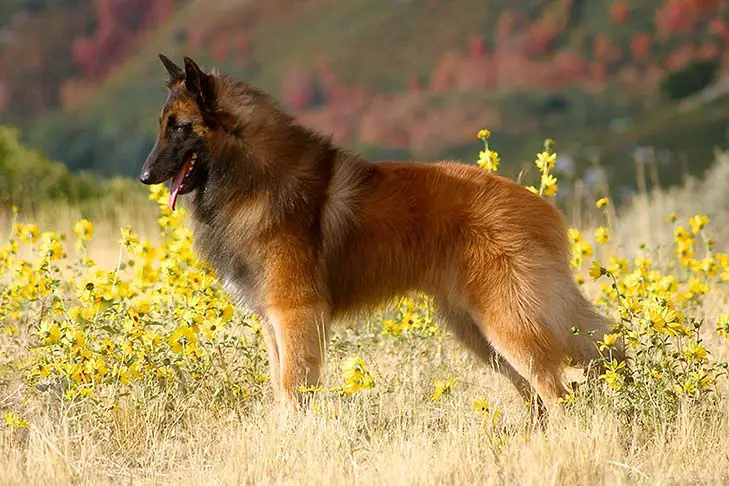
198	83
173	69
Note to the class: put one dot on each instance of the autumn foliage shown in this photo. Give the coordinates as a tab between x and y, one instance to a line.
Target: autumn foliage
60	59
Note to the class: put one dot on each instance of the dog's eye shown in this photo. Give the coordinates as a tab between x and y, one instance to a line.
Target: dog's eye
178	127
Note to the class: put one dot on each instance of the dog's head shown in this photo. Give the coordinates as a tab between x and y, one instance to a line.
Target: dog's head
180	152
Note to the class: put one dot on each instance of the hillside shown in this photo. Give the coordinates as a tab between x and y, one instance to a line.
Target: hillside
393	79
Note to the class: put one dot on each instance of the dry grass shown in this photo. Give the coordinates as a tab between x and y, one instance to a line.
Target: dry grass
391	434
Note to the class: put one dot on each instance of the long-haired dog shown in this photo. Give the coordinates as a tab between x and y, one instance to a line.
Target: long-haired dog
303	233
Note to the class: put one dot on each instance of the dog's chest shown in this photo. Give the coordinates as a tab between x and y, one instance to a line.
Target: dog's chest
243	288
235	264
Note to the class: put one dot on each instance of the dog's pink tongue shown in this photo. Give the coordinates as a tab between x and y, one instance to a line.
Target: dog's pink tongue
175	186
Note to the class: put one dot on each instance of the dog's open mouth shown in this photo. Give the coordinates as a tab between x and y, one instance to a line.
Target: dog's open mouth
177	185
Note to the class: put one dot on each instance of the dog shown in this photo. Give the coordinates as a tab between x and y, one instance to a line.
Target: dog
305	233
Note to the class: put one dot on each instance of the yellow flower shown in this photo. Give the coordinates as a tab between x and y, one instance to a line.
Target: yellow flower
680	234
697	287
552	188
356	377
545	161
182	339
612	376
574	235
601	203
655	318
568	399
695	353
15	421
27	233
617	266
602	235
391	327
610	339
489	160
51	245
548	180
97	369
484	134
722	325
158	193
442	388
128	238
697	223
84	229
532	189
483	408
582	248
596	270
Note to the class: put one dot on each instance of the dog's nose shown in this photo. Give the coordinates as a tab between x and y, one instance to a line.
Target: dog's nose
146	177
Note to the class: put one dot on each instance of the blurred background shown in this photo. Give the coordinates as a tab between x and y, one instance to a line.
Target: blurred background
635	92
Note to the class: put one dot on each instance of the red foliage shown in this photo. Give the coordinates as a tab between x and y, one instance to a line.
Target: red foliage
118	23
570	67
511	68
676	17
298	89
476	46
242	48
476	74
539	39
598	73
680	57
220	50
631	80
619	12
719	27
654	74
724	62
444	77
3	94
195	36
641	45
75	92
605	50
708	50
704	6
160	10
504	26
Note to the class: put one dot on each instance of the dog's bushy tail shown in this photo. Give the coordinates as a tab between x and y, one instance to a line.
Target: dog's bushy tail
575	323
590	327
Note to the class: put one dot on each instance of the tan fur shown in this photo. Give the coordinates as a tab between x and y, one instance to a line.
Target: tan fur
305	233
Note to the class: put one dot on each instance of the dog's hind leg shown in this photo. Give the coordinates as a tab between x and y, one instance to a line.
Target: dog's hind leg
467	331
524	321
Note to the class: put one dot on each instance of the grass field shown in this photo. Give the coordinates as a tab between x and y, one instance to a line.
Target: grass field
123	362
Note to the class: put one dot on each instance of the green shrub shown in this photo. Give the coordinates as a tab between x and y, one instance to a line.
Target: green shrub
28	178
690	79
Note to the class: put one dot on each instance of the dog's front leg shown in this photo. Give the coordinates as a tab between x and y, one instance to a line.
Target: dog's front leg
274	362
301	334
